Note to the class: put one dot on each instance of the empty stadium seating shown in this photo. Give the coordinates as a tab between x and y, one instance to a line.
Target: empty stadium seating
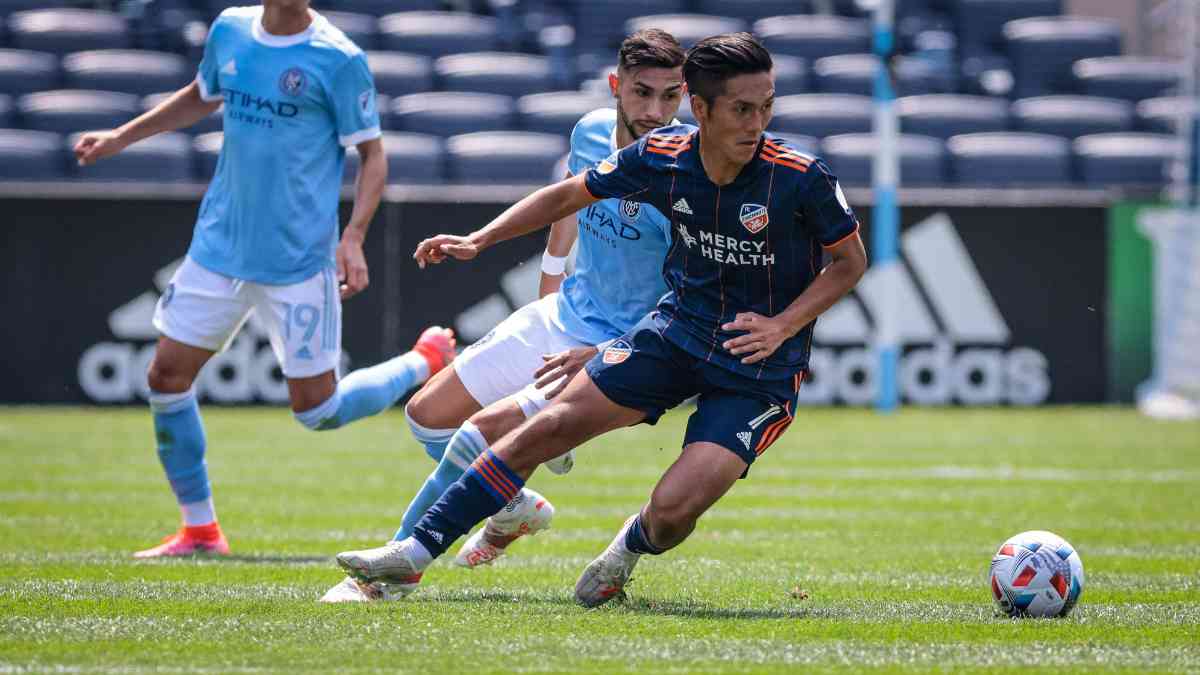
1124	158
413	159
822	115
1130	78
438	33
791	75
397	74
557	112
206	149
131	71
23	71
687	28
980	23
382	7
7	111
362	29
1009	159
503	157
69	110
946	115
855	74
814	36
447	113
753	10
1163	115
31	155
1043	50
1072	116
163	158
922	158
599	23
494	73
67	30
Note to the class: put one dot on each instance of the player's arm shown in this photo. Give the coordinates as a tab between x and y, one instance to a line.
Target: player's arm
182	109
368	191
563	234
548	205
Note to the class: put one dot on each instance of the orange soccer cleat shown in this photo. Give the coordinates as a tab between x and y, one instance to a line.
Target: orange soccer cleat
437	345
189	541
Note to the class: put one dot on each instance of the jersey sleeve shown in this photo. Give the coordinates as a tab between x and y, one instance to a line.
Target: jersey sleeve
576	164
353	102
824	207
625	174
206	76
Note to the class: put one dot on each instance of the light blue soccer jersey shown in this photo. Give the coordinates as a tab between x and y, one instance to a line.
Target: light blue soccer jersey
620	251
292	105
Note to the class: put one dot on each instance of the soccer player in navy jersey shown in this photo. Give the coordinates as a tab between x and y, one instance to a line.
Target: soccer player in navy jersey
753	220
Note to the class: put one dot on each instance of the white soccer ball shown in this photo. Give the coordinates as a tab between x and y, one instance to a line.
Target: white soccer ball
1036	573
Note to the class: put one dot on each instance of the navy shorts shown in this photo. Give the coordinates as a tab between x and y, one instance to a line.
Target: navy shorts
644	371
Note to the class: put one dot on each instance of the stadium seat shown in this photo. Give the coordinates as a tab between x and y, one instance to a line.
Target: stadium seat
791	75
382	7
922	158
23	71
599	24
687	28
213	122
166	157
855	74
753	10
1125	158
397	74
556	112
503	157
10	6
67	30
1128	77
814	36
979	24
438	33
822	115
31	155
206	150
946	115
1043	50
362	29
447	113
1009	159
413	159
1163	115
1072	116
7	112
69	110
494	73
131	71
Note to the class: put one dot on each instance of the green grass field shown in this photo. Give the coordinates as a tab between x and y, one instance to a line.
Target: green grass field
858	542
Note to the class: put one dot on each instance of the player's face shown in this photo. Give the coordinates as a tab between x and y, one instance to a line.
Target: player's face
736	120
647	98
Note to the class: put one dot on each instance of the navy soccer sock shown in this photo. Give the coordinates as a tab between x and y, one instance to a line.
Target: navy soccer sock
482	491
636	540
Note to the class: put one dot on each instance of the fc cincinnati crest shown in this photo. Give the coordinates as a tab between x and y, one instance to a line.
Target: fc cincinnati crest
292	81
617	352
754	217
630	210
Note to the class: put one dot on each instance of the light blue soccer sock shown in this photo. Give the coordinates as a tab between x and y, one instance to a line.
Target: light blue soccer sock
181	446
464	447
434	440
367	391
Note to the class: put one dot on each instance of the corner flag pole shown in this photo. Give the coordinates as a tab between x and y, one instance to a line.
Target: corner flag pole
885	218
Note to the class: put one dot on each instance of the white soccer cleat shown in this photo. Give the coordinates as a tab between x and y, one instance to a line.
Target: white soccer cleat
562	464
605	577
390	563
530	515
352	590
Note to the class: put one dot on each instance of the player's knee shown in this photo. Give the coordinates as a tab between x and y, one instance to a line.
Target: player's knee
493	422
422	409
165	379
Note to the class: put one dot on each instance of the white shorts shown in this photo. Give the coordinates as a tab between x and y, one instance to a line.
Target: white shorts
205	309
502	363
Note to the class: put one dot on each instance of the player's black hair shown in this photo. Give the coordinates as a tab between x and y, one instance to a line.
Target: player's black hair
650	47
714	60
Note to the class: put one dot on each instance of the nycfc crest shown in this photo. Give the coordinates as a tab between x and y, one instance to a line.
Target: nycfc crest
617	352
754	217
292	81
630	210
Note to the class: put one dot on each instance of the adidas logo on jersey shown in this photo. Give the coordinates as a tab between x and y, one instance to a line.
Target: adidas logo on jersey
682	206
744	437
229	68
958	343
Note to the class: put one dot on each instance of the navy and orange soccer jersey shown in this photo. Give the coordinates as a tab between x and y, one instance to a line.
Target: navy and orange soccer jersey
753	245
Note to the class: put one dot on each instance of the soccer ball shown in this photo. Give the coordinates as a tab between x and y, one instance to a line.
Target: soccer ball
1036	573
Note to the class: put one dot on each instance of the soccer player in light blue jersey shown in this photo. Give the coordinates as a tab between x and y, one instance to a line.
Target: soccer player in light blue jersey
296	93
510	373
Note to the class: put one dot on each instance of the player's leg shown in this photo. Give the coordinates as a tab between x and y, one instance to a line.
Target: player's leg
728	431
197	314
436	410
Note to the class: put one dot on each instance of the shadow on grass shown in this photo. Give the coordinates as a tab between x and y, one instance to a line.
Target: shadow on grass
685	608
275	559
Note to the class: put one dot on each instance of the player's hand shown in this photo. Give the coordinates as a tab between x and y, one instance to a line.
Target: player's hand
436	249
96	145
351	268
763	336
561	367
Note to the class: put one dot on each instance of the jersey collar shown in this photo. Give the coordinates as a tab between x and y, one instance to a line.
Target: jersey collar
264	38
